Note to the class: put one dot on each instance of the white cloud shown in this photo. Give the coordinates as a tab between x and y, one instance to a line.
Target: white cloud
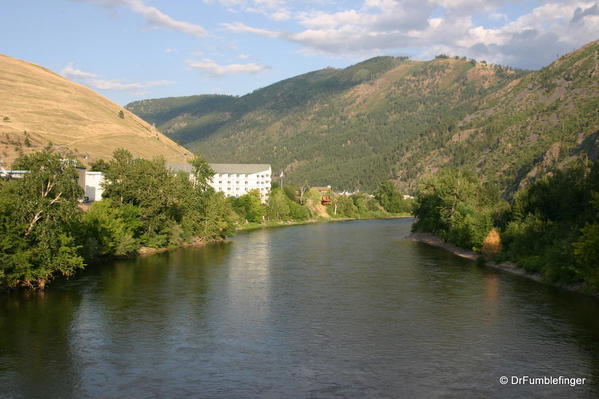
92	80
435	26
212	68
239	27
153	17
71	73
170	50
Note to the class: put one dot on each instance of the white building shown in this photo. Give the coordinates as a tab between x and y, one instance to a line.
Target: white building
235	180
93	186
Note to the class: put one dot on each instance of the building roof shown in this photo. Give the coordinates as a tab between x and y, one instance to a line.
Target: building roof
242	168
180	167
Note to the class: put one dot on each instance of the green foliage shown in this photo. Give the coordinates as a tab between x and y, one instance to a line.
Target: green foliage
278	206
217	218
454	205
249	206
553	227
172	208
390	198
43	233
111	229
99	165
38	218
298	212
586	250
202	173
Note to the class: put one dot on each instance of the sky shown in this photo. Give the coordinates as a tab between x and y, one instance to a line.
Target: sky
130	50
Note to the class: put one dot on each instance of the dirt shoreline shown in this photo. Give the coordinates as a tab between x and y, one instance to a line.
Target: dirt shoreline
435	241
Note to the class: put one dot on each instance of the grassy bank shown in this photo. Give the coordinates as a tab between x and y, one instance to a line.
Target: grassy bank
270	224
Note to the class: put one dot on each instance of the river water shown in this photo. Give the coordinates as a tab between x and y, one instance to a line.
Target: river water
348	310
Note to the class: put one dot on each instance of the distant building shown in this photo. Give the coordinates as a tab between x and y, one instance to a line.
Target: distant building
90	182
93	186
325	194
235	180
13	174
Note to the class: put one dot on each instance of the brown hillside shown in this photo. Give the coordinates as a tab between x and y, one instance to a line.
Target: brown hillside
39	107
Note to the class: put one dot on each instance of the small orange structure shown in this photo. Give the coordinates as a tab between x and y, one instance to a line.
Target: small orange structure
325	194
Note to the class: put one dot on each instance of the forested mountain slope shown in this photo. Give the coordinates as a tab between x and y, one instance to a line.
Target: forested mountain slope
395	118
541	121
39	107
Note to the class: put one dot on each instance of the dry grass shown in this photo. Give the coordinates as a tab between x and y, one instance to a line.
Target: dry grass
72	117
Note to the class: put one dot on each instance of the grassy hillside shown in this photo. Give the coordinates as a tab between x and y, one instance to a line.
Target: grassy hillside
394	118
39	107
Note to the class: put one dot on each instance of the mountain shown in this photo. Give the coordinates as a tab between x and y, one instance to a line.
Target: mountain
395	118
39	107
540	121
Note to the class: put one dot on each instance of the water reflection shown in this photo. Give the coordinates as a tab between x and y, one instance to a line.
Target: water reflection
35	355
249	268
330	310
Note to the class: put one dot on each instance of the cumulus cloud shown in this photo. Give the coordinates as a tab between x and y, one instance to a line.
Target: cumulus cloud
212	68
94	81
153	17
442	26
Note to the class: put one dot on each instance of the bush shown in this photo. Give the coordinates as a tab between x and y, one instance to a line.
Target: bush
111	229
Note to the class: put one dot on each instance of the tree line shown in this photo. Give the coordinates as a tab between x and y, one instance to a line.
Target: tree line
550	227
45	231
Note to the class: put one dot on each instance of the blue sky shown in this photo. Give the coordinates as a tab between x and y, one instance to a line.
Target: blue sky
134	49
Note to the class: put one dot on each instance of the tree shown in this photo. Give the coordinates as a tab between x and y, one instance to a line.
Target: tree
202	172
38	218
172	207
111	230
249	206
99	165
277	207
389	197
453	204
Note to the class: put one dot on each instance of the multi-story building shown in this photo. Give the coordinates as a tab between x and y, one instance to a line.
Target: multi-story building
235	180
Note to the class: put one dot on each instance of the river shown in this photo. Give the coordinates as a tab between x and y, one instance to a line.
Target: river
347	309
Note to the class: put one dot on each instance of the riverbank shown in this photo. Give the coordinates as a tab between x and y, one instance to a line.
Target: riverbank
435	241
271	224
198	242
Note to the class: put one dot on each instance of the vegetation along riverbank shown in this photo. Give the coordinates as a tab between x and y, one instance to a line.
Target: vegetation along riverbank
146	208
550	229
